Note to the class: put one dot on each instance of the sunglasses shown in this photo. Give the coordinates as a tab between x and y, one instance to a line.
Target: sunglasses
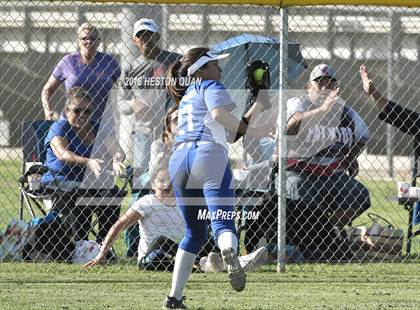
91	38
326	78
145	34
80	111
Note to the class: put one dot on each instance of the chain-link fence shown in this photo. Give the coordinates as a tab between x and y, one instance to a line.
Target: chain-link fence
87	129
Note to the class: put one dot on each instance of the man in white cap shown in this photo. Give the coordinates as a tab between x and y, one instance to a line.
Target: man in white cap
143	93
325	138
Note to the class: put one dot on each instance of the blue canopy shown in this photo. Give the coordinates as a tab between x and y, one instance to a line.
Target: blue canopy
246	48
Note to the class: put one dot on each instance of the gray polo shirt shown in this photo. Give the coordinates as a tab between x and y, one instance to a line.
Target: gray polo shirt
144	80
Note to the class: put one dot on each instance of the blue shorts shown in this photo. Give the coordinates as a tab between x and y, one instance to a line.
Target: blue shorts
203	184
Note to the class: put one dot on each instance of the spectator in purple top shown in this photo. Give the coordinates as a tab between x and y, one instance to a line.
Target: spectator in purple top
94	71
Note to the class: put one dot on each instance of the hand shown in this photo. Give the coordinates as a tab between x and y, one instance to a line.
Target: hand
51	116
99	259
353	168
95	165
330	100
158	159
160	156
118	167
275	156
368	86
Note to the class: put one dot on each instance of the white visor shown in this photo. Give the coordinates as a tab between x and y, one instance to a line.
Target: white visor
209	56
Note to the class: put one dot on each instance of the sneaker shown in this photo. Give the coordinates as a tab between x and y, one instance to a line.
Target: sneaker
342	246
111	256
236	274
173	303
214	263
255	259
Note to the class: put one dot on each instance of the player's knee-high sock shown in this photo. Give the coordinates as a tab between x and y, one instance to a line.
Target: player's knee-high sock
227	239
183	266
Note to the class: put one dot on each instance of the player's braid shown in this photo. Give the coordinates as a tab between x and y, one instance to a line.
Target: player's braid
175	91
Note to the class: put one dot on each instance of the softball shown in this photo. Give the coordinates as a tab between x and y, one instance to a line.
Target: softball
258	74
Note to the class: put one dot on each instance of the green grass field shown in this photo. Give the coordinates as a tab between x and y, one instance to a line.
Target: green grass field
122	286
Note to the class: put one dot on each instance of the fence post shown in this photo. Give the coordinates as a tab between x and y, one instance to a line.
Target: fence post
394	50
281	217
129	52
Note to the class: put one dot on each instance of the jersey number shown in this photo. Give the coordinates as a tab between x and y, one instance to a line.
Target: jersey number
186	111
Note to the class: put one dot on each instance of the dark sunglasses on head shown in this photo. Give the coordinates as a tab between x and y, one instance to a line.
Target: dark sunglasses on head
79	111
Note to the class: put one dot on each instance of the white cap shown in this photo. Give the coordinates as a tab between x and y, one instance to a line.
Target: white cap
322	70
209	56
145	24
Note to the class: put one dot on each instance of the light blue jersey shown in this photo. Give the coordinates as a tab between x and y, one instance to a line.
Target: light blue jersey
194	116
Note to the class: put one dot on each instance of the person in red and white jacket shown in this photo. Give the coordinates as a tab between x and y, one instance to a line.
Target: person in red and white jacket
325	137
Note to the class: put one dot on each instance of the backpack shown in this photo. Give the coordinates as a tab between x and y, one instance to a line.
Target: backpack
13	239
51	240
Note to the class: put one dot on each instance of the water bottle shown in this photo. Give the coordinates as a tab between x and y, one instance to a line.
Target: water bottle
4	130
416	213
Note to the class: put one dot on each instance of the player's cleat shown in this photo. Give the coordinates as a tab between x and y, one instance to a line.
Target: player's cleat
255	259
237	277
173	303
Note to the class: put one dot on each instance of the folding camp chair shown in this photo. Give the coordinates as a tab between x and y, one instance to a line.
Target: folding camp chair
34	153
409	204
254	200
308	228
42	199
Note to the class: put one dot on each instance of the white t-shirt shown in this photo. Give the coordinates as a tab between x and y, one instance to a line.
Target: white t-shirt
157	220
326	139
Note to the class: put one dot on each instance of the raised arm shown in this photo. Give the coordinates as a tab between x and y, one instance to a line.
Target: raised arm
404	119
370	88
258	105
297	118
244	125
47	91
241	127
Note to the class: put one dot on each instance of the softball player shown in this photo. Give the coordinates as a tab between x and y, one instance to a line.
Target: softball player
199	166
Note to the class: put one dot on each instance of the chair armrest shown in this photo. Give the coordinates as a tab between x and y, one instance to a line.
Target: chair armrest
35	169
